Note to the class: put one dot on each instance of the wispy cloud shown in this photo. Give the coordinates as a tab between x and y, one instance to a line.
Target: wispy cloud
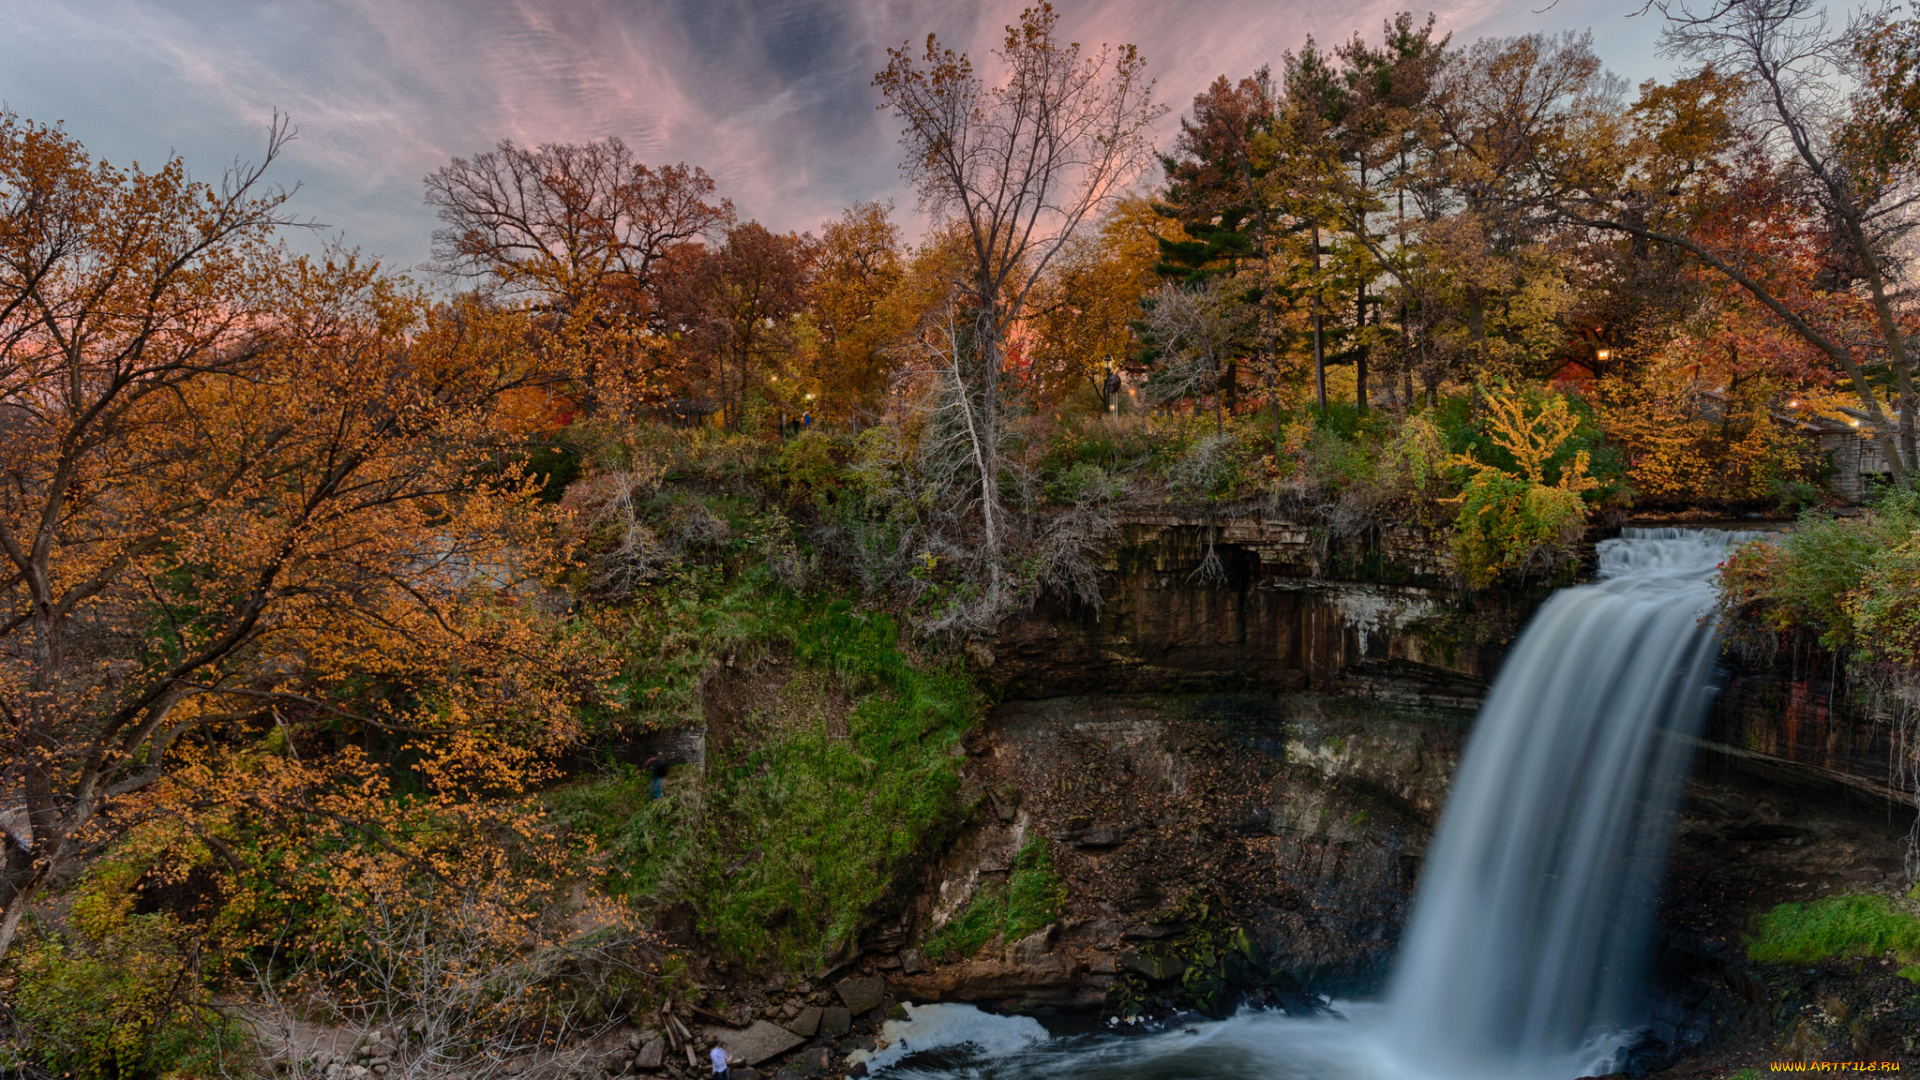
772	97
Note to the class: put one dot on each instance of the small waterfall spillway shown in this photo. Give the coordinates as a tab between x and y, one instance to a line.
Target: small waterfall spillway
1524	953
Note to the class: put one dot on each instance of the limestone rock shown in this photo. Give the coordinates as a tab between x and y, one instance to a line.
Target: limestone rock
1053	981
1100	836
806	1023
835	1020
862	995
765	1039
1030	949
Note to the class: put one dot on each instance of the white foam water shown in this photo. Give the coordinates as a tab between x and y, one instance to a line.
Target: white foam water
1524	953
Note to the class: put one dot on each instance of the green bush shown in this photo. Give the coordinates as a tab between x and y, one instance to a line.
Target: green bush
1506	521
1836	926
129	1006
1835	578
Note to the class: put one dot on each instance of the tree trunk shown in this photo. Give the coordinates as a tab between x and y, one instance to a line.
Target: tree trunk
16	890
1319	344
987	348
1360	349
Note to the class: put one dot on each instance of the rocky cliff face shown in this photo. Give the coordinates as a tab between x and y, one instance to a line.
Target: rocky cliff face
1294	821
1238	761
1259	605
1797	716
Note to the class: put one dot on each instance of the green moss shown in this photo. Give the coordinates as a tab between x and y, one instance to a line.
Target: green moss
980	922
1035	894
1837	926
1911	973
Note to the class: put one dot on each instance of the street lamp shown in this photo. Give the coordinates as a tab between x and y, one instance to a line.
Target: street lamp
1603	355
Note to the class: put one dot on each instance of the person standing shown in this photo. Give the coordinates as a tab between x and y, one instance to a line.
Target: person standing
656	768
722	1061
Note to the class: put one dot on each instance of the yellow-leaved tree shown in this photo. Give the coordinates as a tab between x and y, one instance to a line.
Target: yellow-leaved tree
1524	512
257	512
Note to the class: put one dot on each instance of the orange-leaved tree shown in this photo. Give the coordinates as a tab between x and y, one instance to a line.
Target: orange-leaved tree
241	492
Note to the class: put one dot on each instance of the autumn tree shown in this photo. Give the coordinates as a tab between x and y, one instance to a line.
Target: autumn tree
1512	119
1081	318
1020	166
1826	129
734	307
578	233
859	263
236	484
1196	329
1226	189
1385	137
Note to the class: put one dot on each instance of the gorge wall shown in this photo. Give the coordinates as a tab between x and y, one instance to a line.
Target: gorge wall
1238	762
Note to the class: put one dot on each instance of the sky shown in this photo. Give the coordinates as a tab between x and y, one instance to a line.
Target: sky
771	97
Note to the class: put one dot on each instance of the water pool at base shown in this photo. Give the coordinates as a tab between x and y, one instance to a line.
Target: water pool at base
1353	1042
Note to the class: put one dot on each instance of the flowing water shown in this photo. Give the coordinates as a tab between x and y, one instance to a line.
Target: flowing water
1523	957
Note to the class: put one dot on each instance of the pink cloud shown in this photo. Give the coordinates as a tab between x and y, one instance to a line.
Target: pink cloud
771	98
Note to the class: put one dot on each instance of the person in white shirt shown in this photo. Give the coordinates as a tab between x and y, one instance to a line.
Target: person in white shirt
722	1061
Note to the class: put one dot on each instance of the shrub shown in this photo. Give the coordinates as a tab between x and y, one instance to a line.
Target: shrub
1514	516
1508	524
130	1004
1829	574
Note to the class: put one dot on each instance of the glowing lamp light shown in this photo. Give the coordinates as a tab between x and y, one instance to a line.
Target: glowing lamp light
1794	404
1603	355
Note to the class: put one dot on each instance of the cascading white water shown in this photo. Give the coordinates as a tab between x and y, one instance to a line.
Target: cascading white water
1525	948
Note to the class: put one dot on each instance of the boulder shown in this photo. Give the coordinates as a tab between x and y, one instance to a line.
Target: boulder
765	1039
1028	950
835	1020
652	1054
806	1023
862	995
911	962
1157	968
1100	837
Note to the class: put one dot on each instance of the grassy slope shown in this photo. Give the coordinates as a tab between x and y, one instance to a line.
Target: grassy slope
787	841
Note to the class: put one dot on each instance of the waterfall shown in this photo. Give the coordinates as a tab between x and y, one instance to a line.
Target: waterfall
1525	951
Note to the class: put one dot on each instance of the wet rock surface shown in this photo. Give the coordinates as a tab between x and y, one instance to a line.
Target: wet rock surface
1744	842
1272	606
1295	822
